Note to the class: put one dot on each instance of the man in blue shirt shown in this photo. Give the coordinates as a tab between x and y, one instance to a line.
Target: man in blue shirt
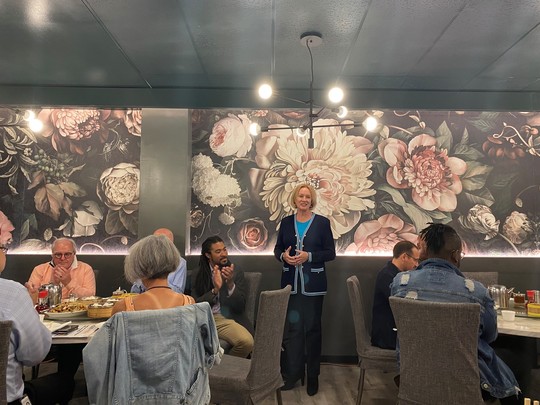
176	279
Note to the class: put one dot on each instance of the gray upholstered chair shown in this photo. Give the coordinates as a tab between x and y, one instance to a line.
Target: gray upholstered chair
249	381
5	334
438	343
253	285
487	278
369	357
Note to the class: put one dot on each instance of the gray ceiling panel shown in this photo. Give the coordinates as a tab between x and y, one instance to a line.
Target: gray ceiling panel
482	32
204	46
54	42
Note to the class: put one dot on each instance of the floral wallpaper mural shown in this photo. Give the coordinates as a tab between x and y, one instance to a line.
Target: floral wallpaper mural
78	177
477	171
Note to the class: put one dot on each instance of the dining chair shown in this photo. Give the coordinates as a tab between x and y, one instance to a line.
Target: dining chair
369	357
438	352
487	278
248	381
5	335
253	284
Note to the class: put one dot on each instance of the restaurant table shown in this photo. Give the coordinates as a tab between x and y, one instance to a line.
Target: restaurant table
87	329
521	326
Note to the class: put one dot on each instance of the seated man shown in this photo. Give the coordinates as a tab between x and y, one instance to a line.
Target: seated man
75	277
177	279
383	327
439	279
30	339
223	286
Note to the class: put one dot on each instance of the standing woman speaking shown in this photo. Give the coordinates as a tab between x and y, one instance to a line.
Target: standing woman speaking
304	244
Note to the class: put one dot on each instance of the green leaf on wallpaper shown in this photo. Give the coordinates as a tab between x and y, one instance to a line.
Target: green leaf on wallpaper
418	216
465	138
502	177
475	176
112	223
72	189
395	194
482	196
30	134
444	137
485	122
25	230
33	221
467	152
129	221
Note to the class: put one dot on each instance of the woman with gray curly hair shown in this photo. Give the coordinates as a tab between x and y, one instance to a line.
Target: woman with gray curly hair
151	260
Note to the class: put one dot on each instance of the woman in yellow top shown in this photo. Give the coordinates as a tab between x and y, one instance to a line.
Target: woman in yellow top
151	260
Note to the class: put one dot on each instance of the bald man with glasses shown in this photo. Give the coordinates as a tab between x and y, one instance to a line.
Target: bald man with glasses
76	277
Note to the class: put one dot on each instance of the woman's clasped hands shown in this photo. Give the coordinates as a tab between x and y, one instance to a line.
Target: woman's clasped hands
297	259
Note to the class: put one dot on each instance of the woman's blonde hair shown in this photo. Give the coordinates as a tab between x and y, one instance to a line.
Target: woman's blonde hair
297	190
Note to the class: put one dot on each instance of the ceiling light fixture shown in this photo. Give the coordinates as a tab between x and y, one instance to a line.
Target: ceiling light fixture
335	95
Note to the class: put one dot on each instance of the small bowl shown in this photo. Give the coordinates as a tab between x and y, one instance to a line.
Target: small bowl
508	315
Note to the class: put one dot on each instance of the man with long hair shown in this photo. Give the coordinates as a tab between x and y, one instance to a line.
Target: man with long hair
223	286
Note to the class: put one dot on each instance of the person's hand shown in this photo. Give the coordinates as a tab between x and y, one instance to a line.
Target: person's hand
32	290
227	273
287	258
301	256
217	279
61	275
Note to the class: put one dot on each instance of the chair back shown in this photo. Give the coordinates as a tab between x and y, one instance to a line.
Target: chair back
363	339
438	346
265	358
487	278
253	284
5	335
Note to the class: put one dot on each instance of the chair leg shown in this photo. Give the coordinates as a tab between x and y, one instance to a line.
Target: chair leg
360	386
278	395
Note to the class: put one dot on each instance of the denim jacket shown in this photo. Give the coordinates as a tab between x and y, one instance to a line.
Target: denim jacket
438	280
153	357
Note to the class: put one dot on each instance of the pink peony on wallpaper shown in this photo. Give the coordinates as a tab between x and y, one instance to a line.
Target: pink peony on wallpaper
78	178
477	171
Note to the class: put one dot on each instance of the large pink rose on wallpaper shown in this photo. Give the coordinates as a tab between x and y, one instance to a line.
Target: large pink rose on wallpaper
380	235
421	166
72	129
230	136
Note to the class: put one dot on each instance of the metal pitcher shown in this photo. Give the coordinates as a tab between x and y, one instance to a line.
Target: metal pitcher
499	294
54	293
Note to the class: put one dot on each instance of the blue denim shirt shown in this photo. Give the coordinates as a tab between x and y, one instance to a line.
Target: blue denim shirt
153	357
440	281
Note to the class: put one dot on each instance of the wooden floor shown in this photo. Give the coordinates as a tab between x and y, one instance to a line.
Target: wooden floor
337	385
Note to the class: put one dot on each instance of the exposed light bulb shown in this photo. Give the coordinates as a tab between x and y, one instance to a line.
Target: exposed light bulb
254	129
265	91
335	95
370	123
342	111
29	115
35	125
301	132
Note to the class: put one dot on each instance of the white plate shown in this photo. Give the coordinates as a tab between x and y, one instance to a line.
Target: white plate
65	315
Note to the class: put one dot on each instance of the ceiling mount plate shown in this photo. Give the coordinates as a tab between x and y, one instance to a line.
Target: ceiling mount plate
313	39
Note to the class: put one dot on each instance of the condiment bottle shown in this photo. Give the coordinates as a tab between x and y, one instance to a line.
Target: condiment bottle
43	299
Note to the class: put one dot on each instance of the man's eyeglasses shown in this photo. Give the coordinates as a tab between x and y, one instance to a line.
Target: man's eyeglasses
65	255
4	249
417	260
